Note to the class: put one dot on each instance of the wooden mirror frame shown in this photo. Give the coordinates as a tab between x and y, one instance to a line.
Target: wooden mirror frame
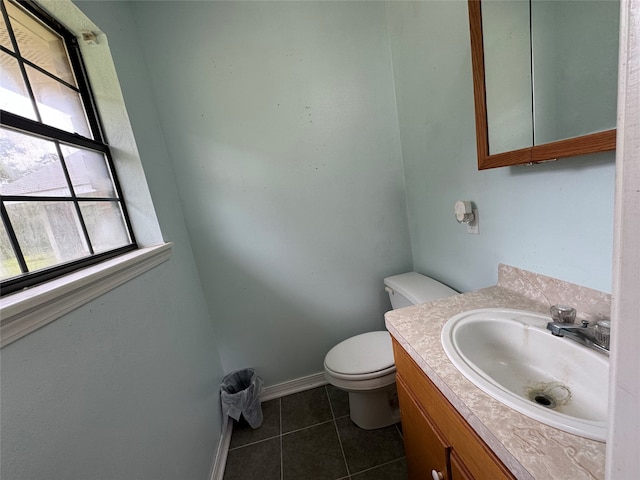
591	143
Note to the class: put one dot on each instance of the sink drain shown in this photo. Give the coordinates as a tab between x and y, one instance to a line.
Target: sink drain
549	394
544	399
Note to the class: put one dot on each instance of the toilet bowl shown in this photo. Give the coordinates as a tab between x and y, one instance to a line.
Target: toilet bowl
363	365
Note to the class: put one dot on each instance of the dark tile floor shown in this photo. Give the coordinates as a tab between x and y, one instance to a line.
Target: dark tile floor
309	436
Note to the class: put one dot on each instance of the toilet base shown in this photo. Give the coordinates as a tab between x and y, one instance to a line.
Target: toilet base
374	409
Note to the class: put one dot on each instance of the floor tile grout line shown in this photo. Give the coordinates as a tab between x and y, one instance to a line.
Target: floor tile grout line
344	456
254	443
308	426
333	413
335	425
380	465
326	392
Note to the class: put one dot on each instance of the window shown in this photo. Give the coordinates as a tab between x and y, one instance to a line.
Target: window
61	207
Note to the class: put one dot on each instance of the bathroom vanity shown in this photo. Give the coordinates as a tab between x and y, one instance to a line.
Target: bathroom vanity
439	443
452	429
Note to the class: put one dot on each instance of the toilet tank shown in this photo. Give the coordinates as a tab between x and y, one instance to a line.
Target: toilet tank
413	288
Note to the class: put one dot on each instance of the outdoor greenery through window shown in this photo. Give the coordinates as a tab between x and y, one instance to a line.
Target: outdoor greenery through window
61	204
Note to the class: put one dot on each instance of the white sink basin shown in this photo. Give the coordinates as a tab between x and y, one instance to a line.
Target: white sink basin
511	356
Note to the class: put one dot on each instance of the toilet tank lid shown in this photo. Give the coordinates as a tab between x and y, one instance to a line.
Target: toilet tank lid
418	288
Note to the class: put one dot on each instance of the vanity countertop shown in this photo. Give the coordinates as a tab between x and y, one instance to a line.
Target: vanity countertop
530	449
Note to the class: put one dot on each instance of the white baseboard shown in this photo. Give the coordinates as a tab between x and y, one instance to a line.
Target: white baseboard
293	386
217	470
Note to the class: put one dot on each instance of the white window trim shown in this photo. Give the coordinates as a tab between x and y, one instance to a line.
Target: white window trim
23	312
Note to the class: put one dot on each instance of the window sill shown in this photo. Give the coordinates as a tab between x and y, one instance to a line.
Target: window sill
26	311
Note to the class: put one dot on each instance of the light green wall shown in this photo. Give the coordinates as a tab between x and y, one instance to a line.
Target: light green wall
125	387
280	119
555	219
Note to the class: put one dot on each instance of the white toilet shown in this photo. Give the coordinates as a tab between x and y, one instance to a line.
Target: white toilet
363	365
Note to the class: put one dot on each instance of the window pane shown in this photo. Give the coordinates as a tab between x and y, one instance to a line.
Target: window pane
59	105
49	233
14	97
30	166
60	197
5	40
8	264
89	173
105	224
39	44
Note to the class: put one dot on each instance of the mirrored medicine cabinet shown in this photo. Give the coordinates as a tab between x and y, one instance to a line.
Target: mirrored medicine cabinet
545	78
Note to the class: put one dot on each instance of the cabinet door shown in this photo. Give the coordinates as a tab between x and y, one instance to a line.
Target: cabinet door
425	450
458	470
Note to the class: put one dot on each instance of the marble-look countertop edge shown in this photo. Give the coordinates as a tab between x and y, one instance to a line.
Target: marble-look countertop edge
523	452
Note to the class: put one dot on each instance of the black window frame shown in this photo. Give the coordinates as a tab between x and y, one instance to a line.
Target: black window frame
35	128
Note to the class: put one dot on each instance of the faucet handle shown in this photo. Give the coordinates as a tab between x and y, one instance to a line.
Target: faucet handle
563	313
603	333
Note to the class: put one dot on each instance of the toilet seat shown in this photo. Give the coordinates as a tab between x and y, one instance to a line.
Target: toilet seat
363	357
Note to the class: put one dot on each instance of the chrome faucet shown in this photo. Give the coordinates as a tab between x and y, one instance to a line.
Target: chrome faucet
594	337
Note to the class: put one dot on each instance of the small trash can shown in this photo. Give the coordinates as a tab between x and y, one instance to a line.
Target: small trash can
240	394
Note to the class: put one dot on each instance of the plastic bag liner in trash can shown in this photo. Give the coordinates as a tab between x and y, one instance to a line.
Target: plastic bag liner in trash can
240	394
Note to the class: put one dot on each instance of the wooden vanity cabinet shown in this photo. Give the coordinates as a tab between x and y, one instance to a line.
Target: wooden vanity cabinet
424	446
439	444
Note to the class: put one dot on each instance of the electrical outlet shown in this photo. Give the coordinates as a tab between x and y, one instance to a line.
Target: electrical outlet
472	227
